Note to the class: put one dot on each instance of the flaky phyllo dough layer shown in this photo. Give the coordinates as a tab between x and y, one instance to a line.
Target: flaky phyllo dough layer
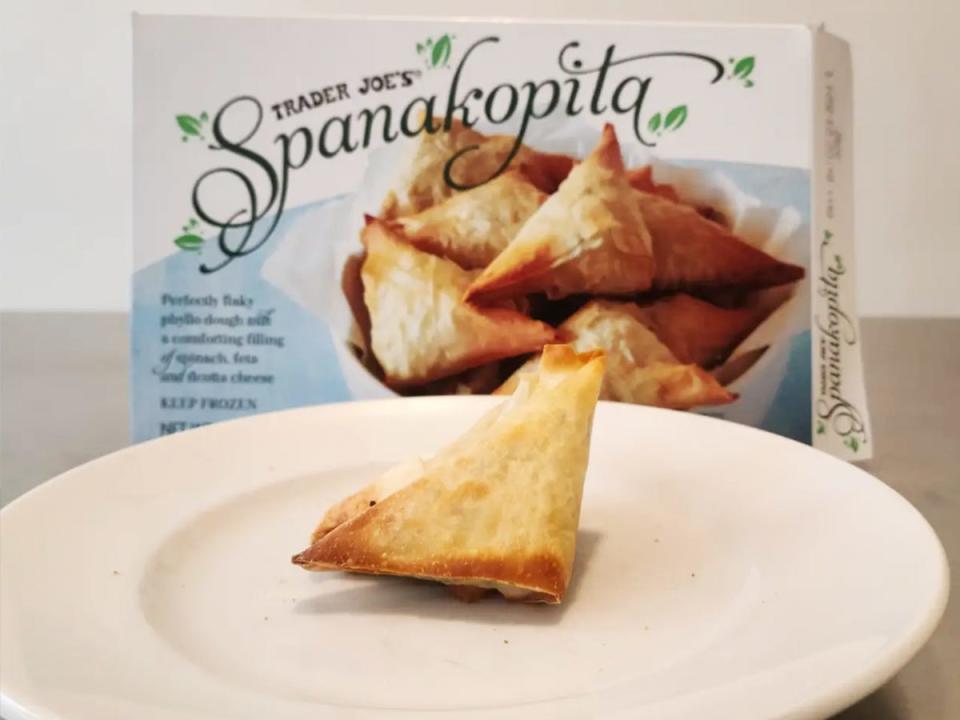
422	185
457	288
589	236
421	328
473	227
497	509
640	369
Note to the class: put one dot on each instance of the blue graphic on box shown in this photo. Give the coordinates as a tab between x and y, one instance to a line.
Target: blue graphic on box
213	347
790	412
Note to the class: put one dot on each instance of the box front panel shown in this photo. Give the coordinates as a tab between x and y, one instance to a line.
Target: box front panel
261	145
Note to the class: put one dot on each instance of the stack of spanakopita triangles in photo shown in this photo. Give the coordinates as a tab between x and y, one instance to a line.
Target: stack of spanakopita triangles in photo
456	292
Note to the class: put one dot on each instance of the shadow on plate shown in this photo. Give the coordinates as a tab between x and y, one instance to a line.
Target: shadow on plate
386	595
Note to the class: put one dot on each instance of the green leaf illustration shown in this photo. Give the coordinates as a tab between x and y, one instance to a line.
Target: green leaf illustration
190	243
204	116
654	123
675	118
852	443
744	67
441	51
821	427
419	48
189	124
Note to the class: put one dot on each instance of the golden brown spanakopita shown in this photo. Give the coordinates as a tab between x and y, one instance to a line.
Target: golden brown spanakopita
423	184
497	509
561	361
420	328
588	237
641	178
640	369
697	331
473	227
693	252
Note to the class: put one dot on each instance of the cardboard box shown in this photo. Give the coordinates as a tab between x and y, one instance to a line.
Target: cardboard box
708	246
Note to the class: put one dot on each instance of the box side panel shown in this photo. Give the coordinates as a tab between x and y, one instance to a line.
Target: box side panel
840	417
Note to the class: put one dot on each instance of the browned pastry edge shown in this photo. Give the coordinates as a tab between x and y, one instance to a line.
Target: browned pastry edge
541	573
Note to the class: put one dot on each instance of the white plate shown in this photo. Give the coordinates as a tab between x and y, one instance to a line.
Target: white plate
722	572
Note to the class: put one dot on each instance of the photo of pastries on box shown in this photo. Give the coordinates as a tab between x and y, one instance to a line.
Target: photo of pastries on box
456	292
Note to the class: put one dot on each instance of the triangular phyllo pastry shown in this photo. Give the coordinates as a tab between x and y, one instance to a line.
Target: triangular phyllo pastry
420	328
641	178
498	509
697	331
545	170
694	252
423	184
588	237
473	227
640	368
403	474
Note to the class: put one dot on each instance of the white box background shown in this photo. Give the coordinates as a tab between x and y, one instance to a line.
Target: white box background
65	135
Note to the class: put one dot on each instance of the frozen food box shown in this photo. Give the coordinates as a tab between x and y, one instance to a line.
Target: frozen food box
328	210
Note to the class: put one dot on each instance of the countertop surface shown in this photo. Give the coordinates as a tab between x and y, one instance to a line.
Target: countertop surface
64	400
